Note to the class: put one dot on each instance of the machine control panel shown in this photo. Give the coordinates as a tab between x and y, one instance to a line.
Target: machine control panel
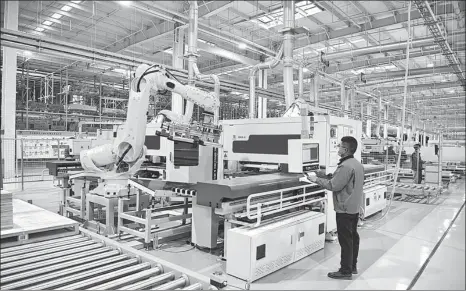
303	155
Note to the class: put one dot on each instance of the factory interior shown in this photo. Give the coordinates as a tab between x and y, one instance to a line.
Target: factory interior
210	145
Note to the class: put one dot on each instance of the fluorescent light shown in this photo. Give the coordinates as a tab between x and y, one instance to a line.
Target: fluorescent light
47	22
125	3
76	2
39	29
430	65
27	53
305	70
66	8
235	93
56	16
242	46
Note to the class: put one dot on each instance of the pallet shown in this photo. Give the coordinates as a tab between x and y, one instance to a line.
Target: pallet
33	224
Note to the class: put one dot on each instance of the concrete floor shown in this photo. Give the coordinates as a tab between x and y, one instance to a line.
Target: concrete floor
391	254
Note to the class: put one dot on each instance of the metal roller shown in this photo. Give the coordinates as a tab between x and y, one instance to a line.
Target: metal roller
150	282
28	267
128	279
178	283
196	286
37	253
66	265
7	252
58	283
106	277
4	266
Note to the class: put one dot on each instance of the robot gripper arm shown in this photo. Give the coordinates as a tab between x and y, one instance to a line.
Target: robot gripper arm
162	79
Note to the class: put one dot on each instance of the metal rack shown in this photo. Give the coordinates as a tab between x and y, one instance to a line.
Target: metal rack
440	38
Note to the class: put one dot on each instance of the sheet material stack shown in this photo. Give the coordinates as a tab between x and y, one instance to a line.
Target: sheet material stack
6	210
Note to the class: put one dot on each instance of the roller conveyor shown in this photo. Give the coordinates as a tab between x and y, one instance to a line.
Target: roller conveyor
83	263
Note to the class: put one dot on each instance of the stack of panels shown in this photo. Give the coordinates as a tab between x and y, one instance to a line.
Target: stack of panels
6	210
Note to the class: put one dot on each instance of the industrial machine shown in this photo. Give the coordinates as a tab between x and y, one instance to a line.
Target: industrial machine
108	168
276	218
264	143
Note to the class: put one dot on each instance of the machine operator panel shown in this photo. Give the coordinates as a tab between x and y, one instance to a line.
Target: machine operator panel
303	155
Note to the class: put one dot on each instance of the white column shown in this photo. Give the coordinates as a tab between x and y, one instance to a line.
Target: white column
369	121
314	90
8	118
178	63
399	131
262	102
424	135
385	125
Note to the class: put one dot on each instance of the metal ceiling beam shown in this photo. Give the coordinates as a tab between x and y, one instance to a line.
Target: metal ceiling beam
439	34
259	6
368	26
181	18
229	4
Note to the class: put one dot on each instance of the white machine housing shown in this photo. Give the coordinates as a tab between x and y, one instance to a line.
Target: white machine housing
253	253
253	140
374	200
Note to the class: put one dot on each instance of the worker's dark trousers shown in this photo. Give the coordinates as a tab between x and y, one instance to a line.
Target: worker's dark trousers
348	237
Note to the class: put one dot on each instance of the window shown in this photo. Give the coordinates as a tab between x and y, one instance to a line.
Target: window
274	18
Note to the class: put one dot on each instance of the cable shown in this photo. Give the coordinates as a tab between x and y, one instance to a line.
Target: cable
403	120
176	252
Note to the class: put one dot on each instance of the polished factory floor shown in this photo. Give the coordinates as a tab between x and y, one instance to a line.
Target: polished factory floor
393	250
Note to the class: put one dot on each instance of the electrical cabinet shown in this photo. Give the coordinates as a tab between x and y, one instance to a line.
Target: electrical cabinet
374	200
257	252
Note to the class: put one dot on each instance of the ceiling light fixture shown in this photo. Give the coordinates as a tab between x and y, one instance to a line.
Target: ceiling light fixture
125	3
66	8
242	46
56	16
47	22
27	53
76	2
39	29
305	70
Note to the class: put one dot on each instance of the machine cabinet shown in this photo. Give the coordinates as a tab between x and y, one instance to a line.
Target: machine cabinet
374	200
257	252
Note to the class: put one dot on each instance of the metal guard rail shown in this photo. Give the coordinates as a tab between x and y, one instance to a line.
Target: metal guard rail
258	206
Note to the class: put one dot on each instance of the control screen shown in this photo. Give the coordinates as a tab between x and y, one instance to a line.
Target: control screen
310	153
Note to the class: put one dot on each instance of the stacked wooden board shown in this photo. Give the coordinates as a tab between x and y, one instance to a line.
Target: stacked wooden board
6	210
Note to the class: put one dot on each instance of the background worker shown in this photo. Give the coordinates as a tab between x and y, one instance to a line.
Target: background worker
347	186
416	164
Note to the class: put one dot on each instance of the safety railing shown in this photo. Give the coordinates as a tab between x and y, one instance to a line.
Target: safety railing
256	207
378	178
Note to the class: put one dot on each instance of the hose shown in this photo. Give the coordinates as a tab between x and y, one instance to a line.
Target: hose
398	162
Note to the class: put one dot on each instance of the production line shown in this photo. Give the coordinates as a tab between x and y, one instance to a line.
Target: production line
173	179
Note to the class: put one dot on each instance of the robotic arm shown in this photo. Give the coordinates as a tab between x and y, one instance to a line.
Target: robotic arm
128	151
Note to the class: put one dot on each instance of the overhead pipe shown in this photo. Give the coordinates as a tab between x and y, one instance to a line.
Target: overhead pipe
397	76
289	25
216	81
252	79
192	53
430	41
20	40
217	33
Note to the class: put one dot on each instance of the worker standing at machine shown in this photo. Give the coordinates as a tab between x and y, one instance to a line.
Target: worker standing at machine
347	186
416	164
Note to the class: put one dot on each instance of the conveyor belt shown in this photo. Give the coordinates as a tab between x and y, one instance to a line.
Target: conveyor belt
81	263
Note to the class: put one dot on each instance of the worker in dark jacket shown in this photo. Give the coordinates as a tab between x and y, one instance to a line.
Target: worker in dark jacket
347	186
416	164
